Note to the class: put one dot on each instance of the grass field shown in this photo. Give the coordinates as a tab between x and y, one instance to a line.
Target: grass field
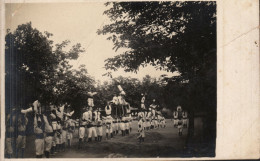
162	142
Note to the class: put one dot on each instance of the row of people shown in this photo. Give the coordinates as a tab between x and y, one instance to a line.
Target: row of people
52	129
91	125
15	141
145	124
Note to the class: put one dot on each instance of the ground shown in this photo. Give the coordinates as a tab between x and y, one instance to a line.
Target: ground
162	142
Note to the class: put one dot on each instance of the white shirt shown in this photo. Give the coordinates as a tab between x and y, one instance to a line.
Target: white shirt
85	116
60	113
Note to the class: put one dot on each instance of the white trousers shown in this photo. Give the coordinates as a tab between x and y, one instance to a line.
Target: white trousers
122	126
100	131
92	130
81	132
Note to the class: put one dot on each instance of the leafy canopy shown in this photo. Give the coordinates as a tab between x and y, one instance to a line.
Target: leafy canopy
173	36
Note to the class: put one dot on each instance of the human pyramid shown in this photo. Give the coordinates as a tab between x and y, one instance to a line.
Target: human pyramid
54	128
117	117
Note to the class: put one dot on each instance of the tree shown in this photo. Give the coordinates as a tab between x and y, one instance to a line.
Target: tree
34	68
172	36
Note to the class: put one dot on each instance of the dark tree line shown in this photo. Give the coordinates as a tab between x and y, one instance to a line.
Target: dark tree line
36	68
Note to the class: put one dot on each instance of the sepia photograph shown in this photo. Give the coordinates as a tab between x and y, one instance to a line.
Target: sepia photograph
110	79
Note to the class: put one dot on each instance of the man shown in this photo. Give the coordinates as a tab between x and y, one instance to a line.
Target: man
108	109
64	134
141	130
127	117
53	118
10	132
99	126
121	103
143	102
148	118
159	120
179	113
35	107
91	98
70	125
148	123
152	122
122	126
60	112
140	114
38	131
156	122
130	124
180	126
185	119
175	118
164	122
153	107
49	134
83	124
109	129
58	140
127	126
70	131
116	125
92	124
115	102
21	138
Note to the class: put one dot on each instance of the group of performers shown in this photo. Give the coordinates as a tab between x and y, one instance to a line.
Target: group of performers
54	128
117	118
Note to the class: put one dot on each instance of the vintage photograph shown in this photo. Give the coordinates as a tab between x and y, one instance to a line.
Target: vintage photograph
110	79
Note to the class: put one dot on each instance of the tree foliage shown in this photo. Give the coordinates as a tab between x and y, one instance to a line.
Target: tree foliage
35	68
175	36
172	36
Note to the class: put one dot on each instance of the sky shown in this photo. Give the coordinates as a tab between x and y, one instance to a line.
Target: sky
77	22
